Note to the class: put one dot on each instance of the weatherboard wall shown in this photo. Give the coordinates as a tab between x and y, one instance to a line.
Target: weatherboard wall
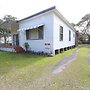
51	22
56	34
38	45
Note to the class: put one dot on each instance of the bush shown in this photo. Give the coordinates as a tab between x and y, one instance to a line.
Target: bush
26	45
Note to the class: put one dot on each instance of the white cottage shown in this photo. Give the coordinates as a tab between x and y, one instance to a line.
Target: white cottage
47	31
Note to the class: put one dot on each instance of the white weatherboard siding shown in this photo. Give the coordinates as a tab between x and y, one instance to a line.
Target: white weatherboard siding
38	45
52	20
65	43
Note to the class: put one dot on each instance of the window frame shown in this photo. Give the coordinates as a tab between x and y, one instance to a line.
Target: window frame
69	35
28	34
61	33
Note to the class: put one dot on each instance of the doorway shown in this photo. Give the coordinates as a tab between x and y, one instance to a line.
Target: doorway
16	40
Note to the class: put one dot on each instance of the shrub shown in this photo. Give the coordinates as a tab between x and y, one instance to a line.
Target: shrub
26	45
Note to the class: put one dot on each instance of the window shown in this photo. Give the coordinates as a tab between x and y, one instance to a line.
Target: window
35	34
61	33
27	34
40	32
69	35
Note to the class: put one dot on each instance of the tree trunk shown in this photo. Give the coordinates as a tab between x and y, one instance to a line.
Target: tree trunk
5	39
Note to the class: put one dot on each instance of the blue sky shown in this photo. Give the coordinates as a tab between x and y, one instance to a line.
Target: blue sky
72	10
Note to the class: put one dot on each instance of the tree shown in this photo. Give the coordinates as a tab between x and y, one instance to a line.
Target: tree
9	18
5	31
83	26
77	38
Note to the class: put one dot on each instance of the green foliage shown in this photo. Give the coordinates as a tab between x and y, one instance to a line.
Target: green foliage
83	26
26	45
83	38
4	32
9	18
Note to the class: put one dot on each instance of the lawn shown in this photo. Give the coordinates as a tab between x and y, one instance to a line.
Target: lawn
77	74
33	72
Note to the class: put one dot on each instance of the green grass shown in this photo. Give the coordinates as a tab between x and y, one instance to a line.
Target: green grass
33	72
18	69
8	61
77	74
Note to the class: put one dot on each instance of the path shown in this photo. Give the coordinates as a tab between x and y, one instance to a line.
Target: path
61	65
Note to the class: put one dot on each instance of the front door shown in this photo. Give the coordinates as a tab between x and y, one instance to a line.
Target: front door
16	40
